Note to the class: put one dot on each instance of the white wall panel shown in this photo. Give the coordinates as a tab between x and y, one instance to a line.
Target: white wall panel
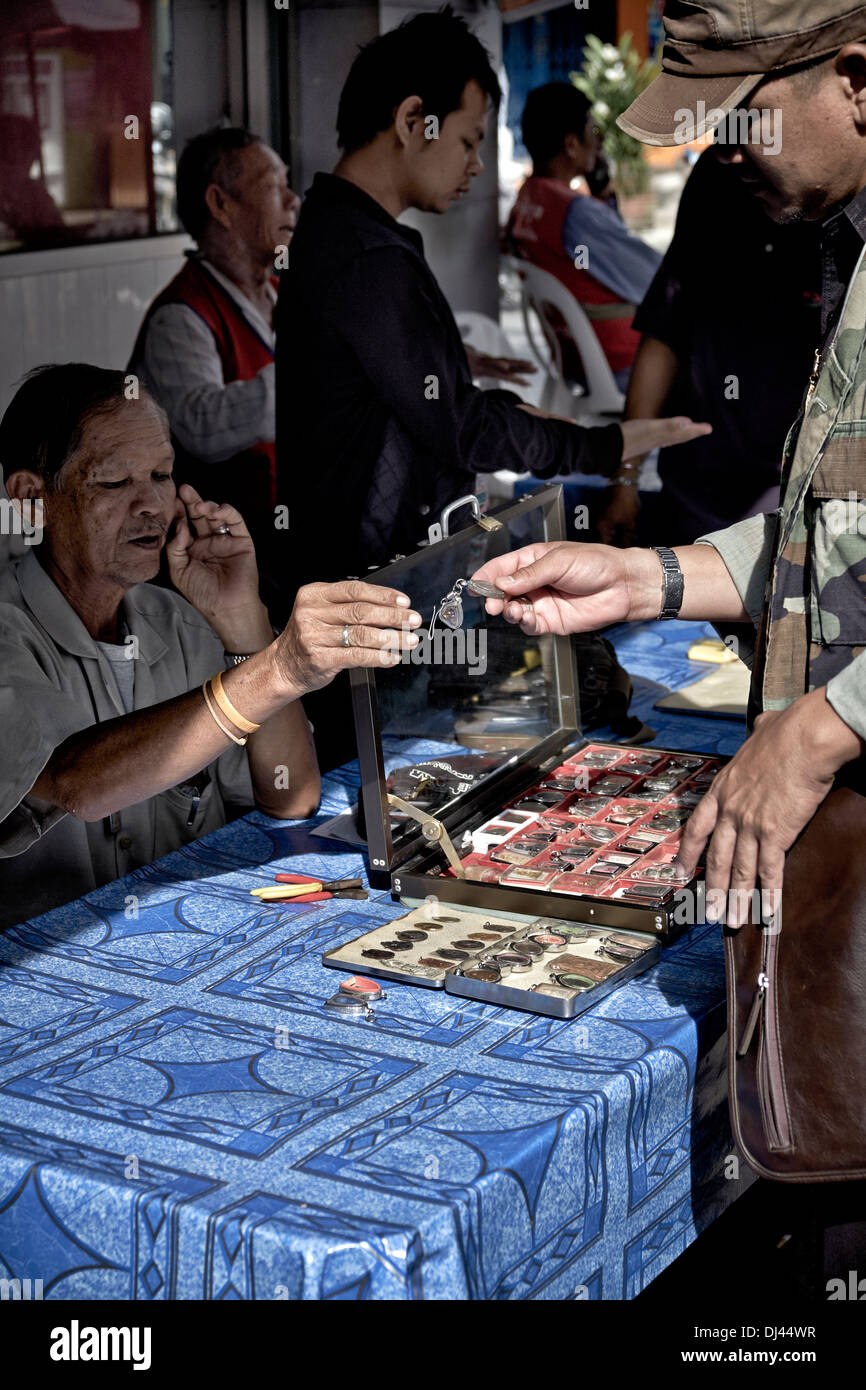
84	304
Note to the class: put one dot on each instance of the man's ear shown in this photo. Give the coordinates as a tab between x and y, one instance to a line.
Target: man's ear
408	117
573	147
24	484
851	61
217	204
26	491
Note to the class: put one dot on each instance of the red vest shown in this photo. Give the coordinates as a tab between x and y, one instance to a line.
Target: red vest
535	225
248	480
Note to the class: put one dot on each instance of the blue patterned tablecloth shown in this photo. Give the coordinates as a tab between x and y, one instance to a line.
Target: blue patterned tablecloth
181	1119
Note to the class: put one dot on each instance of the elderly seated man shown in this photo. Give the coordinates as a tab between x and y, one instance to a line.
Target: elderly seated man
206	347
136	719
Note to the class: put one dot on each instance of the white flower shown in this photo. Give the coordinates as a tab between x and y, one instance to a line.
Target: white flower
609	53
616	73
601	110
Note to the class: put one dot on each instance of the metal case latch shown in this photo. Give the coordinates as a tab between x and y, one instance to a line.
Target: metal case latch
432	830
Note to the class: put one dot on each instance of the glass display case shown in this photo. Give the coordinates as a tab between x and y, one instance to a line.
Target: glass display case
510	809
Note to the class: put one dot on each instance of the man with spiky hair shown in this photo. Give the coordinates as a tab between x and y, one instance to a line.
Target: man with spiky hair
379	426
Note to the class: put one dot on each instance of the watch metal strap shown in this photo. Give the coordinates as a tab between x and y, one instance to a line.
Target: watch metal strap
235	658
673	582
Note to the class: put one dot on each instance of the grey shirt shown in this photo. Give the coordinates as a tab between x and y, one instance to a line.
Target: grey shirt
55	681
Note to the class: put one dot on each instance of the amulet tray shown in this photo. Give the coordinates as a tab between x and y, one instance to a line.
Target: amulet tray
543	966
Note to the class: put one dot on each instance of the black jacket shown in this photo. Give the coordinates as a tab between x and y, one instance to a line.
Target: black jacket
378	423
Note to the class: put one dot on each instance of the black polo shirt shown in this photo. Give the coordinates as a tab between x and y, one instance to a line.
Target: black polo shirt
378	423
738	299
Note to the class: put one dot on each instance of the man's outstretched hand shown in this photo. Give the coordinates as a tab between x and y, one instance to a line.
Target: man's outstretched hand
642	436
560	587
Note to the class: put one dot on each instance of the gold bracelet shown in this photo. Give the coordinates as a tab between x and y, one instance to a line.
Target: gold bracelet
215	717
228	708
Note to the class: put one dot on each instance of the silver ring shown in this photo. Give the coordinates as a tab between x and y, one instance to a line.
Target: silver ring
344	640
224	530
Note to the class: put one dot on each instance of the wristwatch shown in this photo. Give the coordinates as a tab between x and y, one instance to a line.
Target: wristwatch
628	475
672	597
238	658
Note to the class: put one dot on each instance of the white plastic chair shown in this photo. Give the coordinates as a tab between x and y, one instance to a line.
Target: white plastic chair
537	289
486	335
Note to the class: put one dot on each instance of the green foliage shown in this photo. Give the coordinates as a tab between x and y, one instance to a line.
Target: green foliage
612	75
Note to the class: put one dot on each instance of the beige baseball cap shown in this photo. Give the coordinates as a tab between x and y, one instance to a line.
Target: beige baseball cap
716	52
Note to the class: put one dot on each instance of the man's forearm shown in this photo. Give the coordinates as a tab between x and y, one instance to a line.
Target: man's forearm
283	765
709	592
282	756
123	761
651	381
495	431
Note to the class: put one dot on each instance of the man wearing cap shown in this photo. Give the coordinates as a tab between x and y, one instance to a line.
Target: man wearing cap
798	71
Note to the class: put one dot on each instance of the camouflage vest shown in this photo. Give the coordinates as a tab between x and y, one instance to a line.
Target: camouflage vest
814	620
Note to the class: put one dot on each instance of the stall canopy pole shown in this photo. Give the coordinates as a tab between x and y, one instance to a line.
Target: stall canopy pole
34	97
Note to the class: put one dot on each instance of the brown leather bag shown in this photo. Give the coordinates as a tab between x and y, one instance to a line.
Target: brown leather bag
797	1009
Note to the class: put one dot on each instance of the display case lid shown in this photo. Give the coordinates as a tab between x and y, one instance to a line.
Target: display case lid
470	709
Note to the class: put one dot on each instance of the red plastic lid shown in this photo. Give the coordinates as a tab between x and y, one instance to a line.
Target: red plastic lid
359	984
